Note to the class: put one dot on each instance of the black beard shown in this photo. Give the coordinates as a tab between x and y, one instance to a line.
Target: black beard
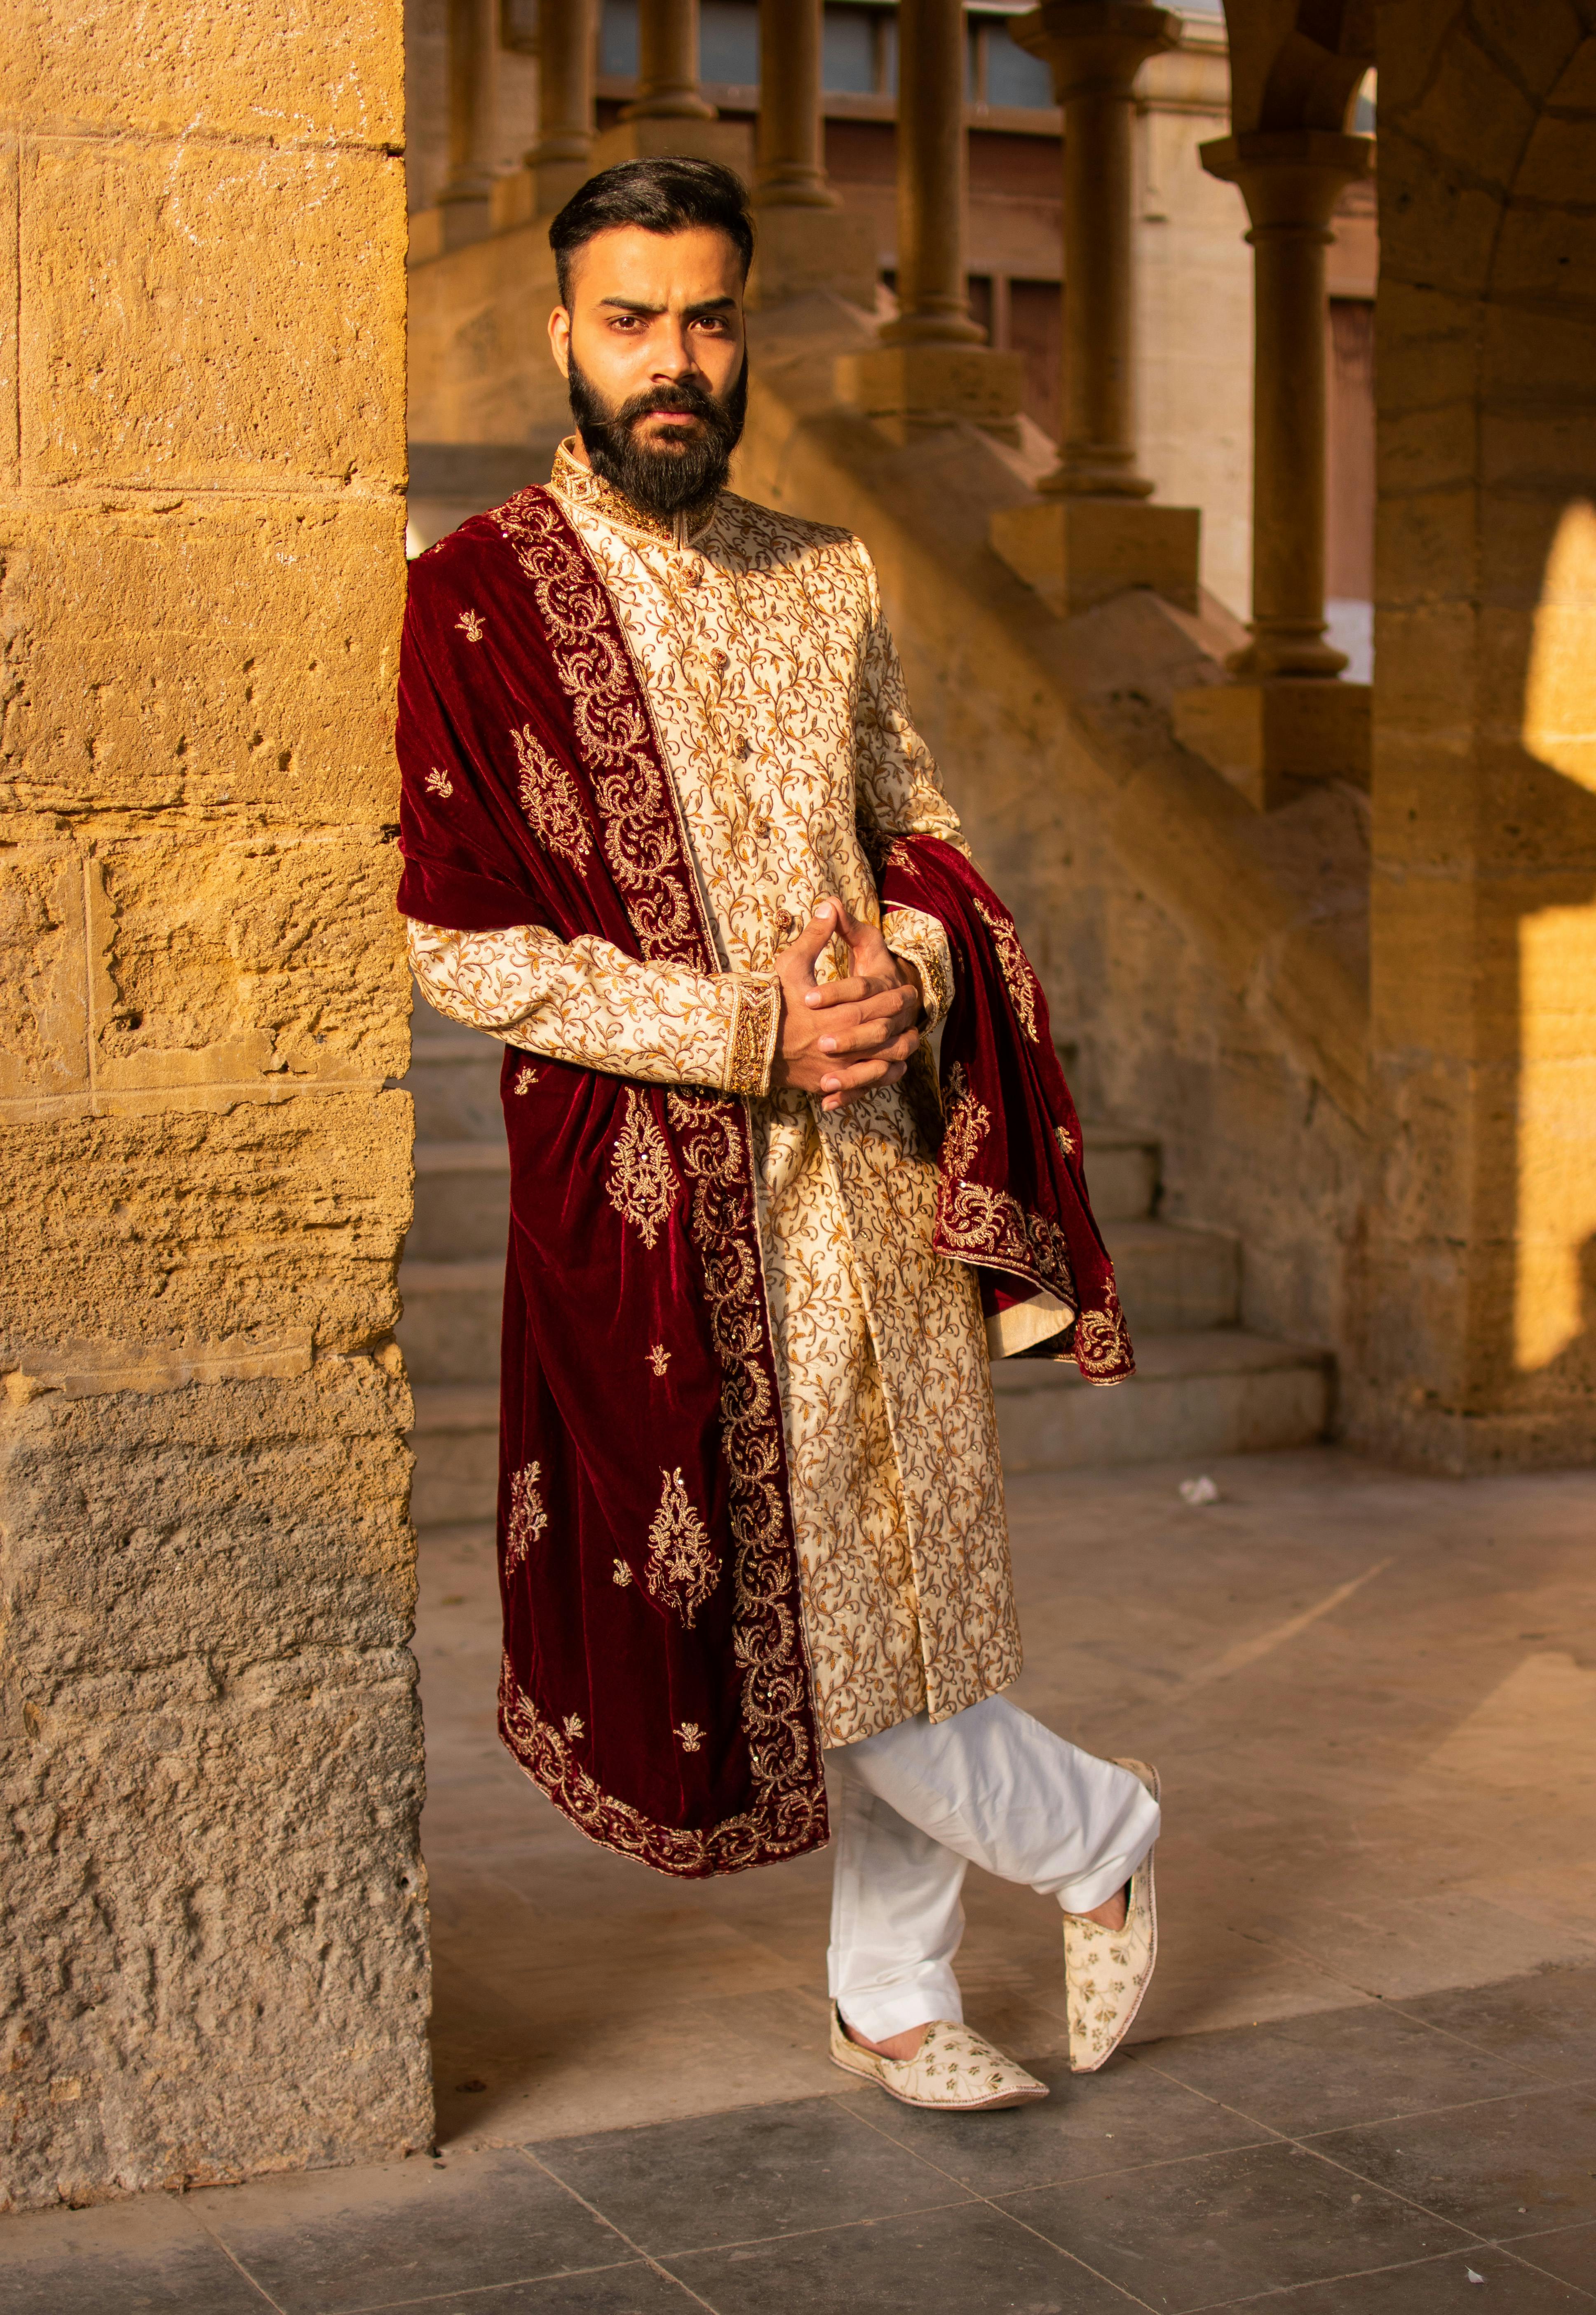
665	479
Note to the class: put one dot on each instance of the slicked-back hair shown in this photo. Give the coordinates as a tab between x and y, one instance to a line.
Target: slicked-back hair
667	194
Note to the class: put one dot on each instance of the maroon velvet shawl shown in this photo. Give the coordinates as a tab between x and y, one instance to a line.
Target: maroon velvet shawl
1011	1198
655	1683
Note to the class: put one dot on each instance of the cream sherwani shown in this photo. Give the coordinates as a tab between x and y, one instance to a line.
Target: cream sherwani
780	708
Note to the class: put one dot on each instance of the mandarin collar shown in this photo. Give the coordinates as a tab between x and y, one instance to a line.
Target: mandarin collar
579	486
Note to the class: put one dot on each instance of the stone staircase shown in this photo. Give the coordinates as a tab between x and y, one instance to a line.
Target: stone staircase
1204	1387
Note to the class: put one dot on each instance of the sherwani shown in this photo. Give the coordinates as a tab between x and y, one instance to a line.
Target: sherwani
780	709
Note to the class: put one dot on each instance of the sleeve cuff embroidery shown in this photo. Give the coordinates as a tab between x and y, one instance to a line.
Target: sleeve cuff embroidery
755	1022
920	941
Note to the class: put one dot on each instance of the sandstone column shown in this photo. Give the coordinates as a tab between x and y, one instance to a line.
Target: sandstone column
806	240
1098	537
562	159
1270	730
669	113
933	365
466	197
667	64
210	1750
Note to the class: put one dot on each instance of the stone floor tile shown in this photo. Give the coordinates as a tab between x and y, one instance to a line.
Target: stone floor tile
1503	2168
1567	2252
146	2256
1122	2118
1439	2286
356	2240
972	2259
1545	2021
1360	2064
740	2177
1184	2235
634	2289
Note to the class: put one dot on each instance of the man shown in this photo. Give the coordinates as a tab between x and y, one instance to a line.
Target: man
653	738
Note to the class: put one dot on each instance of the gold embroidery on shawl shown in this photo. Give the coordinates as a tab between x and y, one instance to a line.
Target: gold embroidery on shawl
1102	1345
576	1727
683	1567
440	782
1065	1139
641	1183
690	1736
549	799
472	626
1017	977
525	1078
659	1357
990	1226
623	1573
758	1003
527	1518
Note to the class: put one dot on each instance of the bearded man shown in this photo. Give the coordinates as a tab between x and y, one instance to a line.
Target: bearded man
671	836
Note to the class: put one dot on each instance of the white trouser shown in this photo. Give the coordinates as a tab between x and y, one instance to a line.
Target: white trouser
917	1804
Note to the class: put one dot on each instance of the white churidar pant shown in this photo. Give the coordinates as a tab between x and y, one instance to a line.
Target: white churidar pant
917	1804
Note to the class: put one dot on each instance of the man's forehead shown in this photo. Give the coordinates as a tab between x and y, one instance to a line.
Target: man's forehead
655	272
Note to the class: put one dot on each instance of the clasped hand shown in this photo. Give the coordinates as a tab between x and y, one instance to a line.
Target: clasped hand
844	1037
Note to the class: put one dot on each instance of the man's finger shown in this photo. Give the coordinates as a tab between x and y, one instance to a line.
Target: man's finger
806	949
838	992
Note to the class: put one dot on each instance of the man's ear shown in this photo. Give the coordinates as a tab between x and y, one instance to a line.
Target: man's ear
559	340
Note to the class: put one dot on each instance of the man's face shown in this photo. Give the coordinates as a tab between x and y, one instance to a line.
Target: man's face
652	348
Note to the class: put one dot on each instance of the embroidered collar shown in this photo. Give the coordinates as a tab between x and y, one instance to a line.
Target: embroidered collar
579	486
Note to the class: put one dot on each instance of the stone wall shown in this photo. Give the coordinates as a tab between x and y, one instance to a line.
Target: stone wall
1477	1334
212	1926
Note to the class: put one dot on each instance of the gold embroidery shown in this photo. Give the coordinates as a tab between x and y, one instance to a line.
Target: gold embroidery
1102	1345
691	1735
759	1005
623	1573
1017	976
659	1357
472	626
576	1727
439	781
549	799
990	1227
642	1185
527	1518
919	939
1065	1139
683	1567
967	1123
525	1078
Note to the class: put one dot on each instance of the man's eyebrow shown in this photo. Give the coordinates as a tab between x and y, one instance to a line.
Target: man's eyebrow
640	305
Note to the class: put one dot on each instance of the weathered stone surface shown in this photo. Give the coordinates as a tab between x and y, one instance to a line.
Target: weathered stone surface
207	651
167	334
43	977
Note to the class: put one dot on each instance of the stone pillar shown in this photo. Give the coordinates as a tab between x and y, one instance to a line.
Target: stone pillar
466	198
933	363
562	159
1283	721
215	1959
806	241
668	115
1093	536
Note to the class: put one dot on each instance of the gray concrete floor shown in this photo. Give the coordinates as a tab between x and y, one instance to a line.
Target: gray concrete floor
1365	2077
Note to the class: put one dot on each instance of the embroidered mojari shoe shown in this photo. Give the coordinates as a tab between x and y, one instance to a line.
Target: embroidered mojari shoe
1106	1970
953	2070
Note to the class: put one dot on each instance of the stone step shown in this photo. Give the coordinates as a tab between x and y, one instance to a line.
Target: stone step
1222	1392
449	1332
1172	1278
454	1081
462	1201
455	1441
1122	1172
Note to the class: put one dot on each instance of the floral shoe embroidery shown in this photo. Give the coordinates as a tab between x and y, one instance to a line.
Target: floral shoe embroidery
955	2069
1106	1972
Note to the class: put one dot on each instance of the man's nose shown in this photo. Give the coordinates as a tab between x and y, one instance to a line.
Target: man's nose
675	358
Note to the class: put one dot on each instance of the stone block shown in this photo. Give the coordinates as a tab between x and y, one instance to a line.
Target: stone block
251	1219
43	985
259	961
1274	739
10	438
1428	541
203	653
729	142
272	78
915	387
798	250
1472	113
1077	552
197	314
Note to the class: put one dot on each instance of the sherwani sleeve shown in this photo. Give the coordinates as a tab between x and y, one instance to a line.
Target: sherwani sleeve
897	793
584	1001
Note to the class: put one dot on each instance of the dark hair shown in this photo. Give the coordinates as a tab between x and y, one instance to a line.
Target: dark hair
666	194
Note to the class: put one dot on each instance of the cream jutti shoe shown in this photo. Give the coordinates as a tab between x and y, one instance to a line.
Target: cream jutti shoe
953	2070
1106	1972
